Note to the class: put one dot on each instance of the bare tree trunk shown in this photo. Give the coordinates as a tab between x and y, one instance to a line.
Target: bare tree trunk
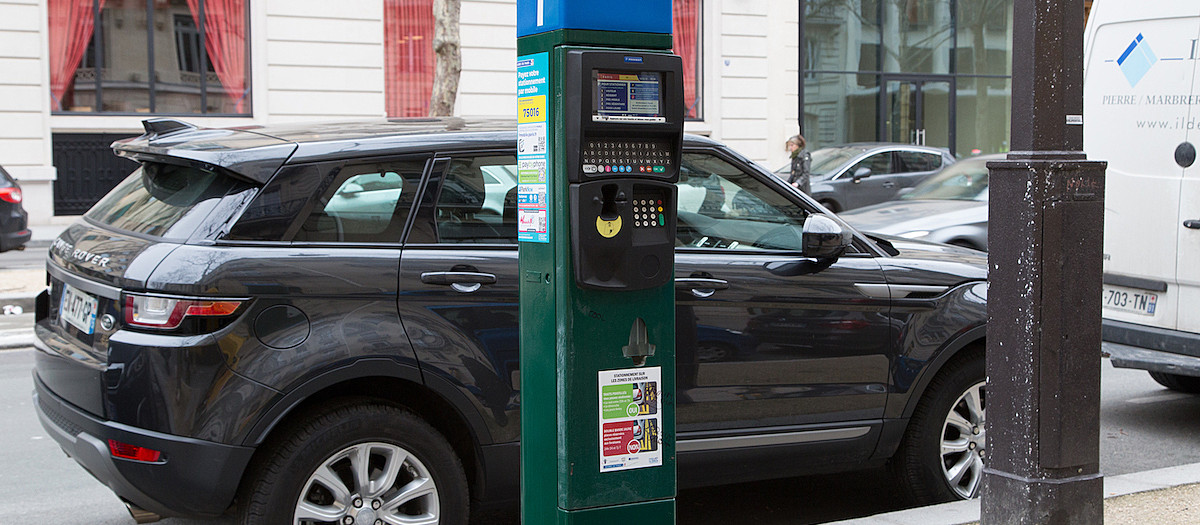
448	56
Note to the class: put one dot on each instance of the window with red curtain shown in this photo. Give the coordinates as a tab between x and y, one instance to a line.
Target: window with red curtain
71	26
408	56
100	52
225	41
687	46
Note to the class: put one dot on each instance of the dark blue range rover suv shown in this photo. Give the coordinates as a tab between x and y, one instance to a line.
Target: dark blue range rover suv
309	324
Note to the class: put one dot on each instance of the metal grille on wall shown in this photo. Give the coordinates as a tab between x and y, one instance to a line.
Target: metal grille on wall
87	169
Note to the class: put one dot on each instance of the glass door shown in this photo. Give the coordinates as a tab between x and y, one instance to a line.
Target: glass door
918	111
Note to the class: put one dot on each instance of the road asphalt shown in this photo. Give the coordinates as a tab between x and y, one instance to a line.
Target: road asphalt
1167	496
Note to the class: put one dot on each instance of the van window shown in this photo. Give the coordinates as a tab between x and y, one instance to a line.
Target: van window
163	200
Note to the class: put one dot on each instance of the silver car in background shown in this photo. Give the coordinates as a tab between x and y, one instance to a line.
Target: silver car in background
860	174
950	207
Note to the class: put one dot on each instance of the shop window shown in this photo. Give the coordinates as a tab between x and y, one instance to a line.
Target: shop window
135	57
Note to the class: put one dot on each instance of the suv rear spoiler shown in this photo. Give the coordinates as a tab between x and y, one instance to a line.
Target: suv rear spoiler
252	156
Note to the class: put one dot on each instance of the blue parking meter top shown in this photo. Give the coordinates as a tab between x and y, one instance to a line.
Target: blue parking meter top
636	16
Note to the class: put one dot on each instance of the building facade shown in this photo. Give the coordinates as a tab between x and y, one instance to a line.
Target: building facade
77	74
932	72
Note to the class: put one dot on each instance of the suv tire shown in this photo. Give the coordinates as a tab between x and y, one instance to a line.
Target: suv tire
1189	384
950	415
364	460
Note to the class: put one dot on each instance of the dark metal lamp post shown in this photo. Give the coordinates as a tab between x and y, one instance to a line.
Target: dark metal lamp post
1046	228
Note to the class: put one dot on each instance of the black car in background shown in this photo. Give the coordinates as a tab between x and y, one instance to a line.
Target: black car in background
14	222
311	323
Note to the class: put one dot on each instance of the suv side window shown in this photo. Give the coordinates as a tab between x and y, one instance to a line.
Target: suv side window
362	202
477	203
918	161
723	207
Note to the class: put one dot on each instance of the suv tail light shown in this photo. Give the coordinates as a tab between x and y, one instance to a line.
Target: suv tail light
12	194
166	313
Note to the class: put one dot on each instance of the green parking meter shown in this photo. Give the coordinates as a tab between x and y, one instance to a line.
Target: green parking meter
600	127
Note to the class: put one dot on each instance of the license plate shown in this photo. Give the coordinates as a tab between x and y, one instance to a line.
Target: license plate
78	308
1130	300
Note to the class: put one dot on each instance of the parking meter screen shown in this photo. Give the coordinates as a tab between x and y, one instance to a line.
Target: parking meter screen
627	96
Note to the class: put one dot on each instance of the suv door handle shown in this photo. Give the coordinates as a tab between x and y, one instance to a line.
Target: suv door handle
1193	224
465	282
701	287
889	184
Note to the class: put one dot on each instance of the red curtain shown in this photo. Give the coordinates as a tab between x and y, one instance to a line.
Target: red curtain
408	56
687	46
71	26
225	41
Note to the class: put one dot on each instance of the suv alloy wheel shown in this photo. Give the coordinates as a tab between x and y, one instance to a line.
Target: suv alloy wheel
942	456
357	464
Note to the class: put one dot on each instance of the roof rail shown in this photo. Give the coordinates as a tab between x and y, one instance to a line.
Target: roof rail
163	126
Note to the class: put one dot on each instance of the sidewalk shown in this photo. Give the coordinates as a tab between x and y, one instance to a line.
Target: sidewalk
1168	496
19	288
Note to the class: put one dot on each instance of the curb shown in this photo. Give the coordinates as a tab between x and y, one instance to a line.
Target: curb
14	305
962	512
19	339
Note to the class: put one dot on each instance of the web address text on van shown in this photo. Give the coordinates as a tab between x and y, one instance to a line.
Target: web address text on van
1179	123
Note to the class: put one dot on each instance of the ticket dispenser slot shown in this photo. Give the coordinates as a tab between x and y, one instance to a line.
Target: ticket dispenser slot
624	135
624	231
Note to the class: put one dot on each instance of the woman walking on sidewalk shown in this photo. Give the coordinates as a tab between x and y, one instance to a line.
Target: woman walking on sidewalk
801	164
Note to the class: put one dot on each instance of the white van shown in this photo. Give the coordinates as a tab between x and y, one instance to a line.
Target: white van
1142	115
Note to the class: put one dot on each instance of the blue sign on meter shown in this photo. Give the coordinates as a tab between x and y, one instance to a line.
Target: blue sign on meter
533	152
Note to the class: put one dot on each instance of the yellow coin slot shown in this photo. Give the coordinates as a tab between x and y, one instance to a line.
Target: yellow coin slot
608	229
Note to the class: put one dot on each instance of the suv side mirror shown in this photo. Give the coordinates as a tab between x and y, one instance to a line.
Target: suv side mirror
824	238
861	173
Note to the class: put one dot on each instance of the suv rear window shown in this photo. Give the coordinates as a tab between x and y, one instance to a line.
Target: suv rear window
162	200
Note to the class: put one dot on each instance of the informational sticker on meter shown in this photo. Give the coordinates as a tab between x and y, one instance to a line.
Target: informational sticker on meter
532	142
533	148
630	419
